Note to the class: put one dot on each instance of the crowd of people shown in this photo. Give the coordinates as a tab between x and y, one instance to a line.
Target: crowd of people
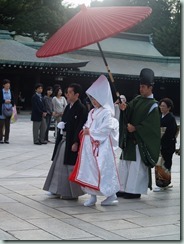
43	109
87	137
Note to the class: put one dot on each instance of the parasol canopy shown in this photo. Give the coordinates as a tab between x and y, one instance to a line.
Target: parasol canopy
92	25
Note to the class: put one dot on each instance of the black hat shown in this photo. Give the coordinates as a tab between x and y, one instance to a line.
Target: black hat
147	77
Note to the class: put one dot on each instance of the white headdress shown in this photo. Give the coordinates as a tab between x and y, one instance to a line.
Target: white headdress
100	90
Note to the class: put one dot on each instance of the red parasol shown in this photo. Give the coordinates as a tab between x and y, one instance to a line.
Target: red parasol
92	25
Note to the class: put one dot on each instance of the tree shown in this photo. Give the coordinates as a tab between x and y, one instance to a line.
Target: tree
44	17
167	38
32	17
164	22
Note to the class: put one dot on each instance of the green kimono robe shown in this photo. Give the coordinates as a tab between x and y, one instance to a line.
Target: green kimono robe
147	134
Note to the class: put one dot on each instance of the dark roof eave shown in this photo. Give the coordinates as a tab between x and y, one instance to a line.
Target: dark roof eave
130	76
44	64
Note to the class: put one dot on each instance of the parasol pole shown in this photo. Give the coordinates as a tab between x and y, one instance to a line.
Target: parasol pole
116	92
108	70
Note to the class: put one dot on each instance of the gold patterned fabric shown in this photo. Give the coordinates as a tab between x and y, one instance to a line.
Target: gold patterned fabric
162	175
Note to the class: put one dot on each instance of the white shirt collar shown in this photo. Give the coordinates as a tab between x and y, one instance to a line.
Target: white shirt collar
150	96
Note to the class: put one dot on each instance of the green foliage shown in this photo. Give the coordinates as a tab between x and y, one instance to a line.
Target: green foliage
164	22
167	36
38	21
168	46
32	17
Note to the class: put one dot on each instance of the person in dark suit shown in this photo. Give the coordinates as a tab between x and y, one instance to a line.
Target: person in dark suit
7	100
73	119
38	116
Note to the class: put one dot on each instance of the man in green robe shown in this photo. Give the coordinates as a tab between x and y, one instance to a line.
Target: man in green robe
139	139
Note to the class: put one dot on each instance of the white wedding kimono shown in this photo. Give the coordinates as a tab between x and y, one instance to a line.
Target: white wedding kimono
96	167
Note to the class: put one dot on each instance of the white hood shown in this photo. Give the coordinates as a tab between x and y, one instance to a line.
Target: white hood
100	90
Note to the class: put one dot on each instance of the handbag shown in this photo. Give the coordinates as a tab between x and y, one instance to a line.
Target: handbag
7	111
14	115
162	175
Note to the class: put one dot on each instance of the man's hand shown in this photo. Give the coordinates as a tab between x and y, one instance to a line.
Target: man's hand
121	99
74	147
131	128
85	131
8	101
122	106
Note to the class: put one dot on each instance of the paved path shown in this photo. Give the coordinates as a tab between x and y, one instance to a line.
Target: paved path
28	213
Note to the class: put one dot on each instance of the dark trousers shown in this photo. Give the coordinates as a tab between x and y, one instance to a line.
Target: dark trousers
39	128
48	121
5	126
167	155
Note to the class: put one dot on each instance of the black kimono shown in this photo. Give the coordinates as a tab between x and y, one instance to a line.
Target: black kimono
168	140
168	143
64	159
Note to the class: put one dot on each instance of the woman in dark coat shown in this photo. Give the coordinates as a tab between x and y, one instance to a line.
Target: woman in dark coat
168	143
74	117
